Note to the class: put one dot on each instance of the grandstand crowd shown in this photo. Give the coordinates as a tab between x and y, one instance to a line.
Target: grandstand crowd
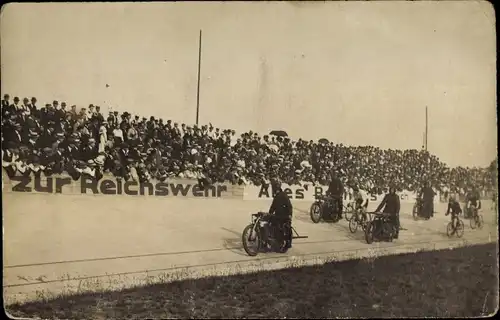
57	138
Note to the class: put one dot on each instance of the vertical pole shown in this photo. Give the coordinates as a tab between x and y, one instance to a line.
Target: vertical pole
426	127
198	89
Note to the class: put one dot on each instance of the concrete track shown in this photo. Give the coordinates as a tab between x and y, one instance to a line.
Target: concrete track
51	242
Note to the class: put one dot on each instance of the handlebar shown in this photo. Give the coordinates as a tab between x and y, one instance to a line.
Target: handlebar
259	214
381	214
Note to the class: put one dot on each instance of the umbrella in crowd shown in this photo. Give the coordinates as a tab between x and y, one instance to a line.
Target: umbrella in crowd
323	141
279	133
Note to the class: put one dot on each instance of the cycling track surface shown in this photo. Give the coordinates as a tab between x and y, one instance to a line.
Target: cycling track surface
52	242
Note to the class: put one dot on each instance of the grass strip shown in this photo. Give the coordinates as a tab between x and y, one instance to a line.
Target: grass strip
459	282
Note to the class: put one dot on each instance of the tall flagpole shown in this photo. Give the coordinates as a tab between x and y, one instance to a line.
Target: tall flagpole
198	89
427	163
426	127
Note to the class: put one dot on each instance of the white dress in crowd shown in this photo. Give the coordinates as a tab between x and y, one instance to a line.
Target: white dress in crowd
234	140
118	133
133	174
103	138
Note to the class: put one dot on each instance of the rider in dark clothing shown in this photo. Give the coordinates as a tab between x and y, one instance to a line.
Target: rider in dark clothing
428	201
281	209
391	205
472	199
336	191
453	208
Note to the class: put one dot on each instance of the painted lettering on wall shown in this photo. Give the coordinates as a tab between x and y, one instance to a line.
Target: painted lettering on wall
115	187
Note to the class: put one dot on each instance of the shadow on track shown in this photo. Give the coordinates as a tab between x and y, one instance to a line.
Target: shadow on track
233	244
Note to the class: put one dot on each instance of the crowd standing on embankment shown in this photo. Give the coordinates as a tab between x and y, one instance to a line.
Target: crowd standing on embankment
56	138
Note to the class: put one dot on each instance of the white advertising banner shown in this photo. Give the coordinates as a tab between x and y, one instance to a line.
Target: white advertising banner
308	192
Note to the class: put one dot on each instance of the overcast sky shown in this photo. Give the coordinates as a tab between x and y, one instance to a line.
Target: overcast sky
360	73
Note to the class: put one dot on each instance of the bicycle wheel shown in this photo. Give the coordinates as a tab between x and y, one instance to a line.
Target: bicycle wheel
415	212
363	223
480	221
473	222
369	232
353	224
459	230
316	212
348	213
449	229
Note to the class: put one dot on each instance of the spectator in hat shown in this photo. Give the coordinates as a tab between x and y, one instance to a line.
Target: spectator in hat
5	101
25	105
89	150
33	103
16	107
98	114
73	113
83	115
90	113
13	134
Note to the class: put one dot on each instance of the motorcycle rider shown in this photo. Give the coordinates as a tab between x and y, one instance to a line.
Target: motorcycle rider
336	191
281	210
454	209
391	205
472	201
361	200
427	194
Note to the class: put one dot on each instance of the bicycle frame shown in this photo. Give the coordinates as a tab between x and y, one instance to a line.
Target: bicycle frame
454	221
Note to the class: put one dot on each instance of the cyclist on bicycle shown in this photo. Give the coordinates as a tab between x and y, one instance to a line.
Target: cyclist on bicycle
472	201
454	209
361	200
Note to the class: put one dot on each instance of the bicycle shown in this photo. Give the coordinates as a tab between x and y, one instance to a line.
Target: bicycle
476	219
348	211
456	228
417	209
358	218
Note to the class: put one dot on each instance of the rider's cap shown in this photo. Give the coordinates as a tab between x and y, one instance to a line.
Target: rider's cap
276	183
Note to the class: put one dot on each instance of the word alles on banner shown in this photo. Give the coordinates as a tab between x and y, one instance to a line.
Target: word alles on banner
308	192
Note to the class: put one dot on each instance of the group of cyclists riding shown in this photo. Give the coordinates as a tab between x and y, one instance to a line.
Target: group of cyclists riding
281	208
472	206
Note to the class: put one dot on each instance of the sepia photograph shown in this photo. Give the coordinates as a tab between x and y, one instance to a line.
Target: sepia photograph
249	160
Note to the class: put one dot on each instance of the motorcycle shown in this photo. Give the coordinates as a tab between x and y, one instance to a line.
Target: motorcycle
324	208
253	235
380	228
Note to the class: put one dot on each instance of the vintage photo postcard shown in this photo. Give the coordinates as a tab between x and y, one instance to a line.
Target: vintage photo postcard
226	160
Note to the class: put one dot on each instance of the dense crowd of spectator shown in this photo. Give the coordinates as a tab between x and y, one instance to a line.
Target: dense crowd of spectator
56	138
